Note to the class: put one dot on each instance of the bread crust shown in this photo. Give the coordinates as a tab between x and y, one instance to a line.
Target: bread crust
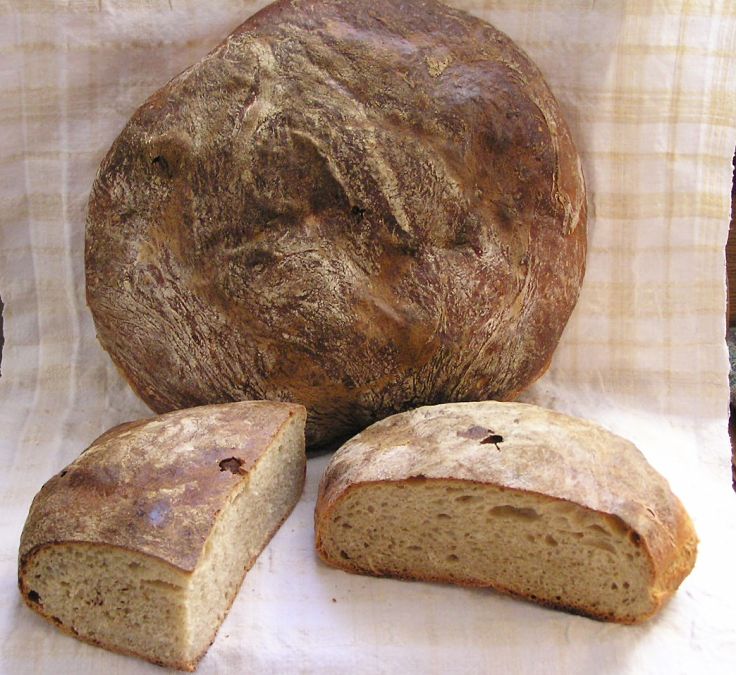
359	206
155	487
542	452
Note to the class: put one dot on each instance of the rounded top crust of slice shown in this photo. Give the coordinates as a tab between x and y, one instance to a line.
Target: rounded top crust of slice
524	447
156	485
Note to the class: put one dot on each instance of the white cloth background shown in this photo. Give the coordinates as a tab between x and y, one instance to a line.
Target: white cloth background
649	88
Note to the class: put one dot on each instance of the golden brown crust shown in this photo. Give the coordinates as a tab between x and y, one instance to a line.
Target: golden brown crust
155	486
541	452
360	206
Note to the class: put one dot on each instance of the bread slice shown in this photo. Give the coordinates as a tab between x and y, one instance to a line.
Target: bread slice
510	496
142	543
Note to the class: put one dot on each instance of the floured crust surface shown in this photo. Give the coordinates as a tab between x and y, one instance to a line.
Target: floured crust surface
529	451
359	206
160	485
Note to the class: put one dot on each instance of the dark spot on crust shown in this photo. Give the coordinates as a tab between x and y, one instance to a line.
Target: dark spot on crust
56	620
635	538
259	257
232	464
493	438
159	161
358	212
34	597
344	555
483	435
63	473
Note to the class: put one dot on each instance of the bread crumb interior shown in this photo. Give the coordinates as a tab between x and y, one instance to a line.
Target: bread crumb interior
546	549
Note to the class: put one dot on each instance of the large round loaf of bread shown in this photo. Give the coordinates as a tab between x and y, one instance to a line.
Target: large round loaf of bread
358	206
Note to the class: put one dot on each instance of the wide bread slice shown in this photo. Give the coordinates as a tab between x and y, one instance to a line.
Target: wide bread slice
141	544
510	496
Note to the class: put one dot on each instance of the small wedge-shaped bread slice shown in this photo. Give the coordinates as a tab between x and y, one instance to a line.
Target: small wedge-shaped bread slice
509	496
142	543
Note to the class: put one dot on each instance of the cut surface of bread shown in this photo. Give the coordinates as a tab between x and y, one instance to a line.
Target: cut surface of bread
461	493
156	585
482	535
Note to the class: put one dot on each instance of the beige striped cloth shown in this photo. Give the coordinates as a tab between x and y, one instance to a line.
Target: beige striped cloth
649	88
